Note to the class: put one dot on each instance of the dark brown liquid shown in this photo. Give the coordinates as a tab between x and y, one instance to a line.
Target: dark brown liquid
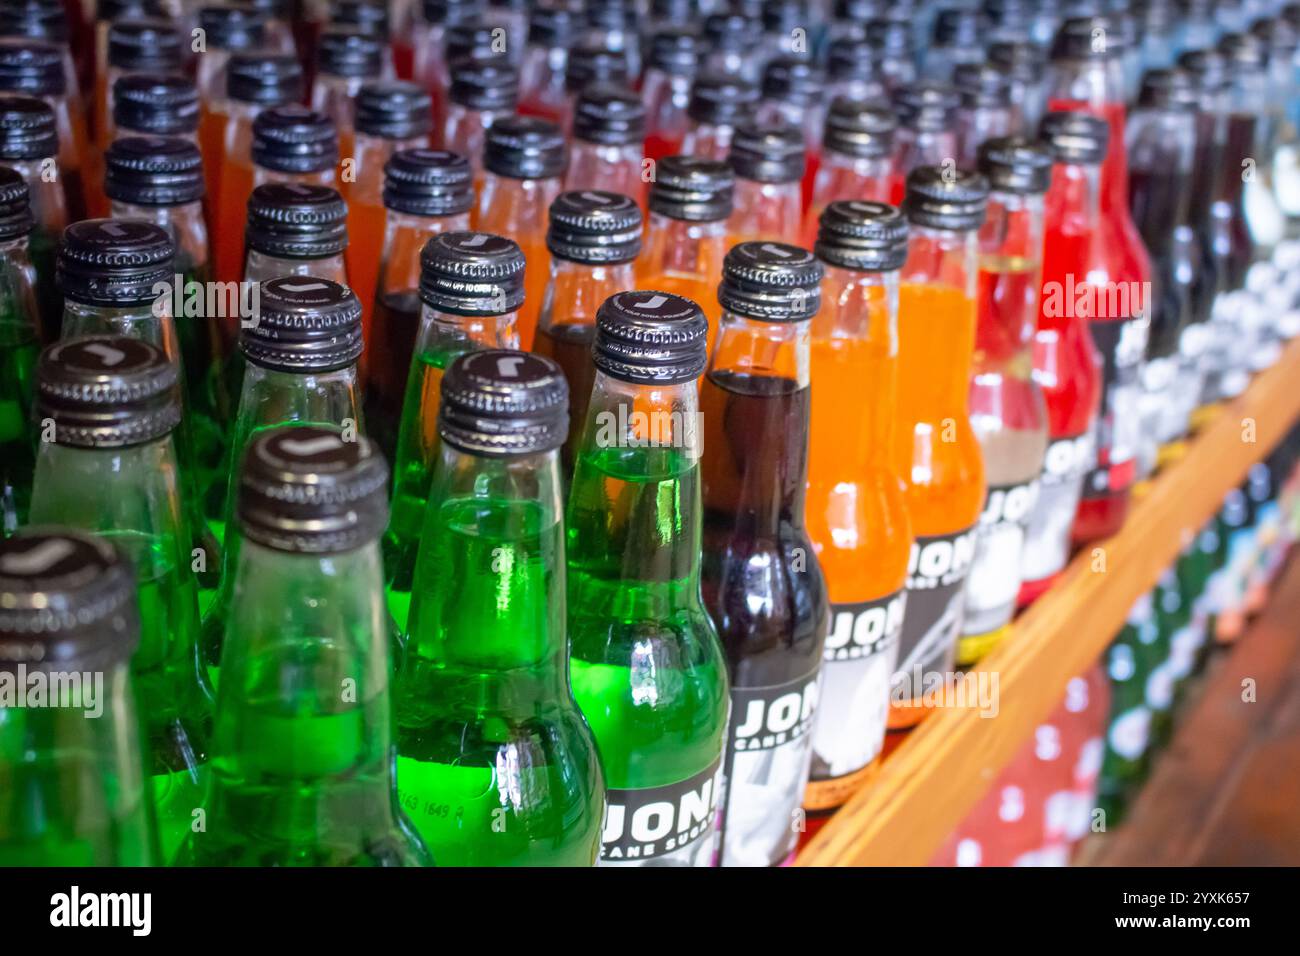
392	342
570	346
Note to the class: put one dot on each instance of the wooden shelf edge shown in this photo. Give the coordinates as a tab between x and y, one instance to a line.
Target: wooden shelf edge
925	787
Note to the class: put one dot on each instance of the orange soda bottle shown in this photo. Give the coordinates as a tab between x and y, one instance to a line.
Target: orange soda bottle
686	240
936	450
857	513
345	58
769	163
523	160
483	89
857	158
608	142
593	239
427	192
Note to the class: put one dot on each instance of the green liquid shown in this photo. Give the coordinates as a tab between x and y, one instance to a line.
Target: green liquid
18	352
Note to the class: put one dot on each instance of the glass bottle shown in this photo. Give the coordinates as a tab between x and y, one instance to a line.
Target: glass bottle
303	774
524	159
645	660
552	28
19	342
857	158
987	111
769	165
793	94
497	764
345	59
956	40
927	133
111	468
761	580
482	91
591	62
718	103
671	65
77	792
296	229
1024	65
608	143
471	287
134	46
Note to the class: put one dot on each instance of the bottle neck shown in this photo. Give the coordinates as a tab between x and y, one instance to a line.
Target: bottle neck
941	257
1010	274
765	211
187	228
259	267
684	248
19	315
444	335
634	510
150	322
489	590
303	711
577	290
404	236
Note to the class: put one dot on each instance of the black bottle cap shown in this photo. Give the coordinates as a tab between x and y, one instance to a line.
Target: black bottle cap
524	147
304	324
475	37
791	79
349	51
767	153
153	45
264	79
114	262
159	104
721	99
67	601
1021	60
1243	51
34	20
294	139
27	129
1087	38
232	27
304	489
854	58
106	11
552	25
733	31
297	221
16	218
927	107
982	85
592	62
938	197
891	34
394	110
651	338
859	128
428	182
958	26
1279	36
487	83
472	273
594	228
854	11
107	391
366	15
611	14
1016	164
449	12
610	115
1168	90
692	189
1207	68
862	236
771	282
676	51
499	402
33	68
783	16
1075	137
153	171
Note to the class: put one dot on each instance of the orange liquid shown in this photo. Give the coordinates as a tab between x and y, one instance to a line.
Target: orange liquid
518	210
672	261
232	215
212	135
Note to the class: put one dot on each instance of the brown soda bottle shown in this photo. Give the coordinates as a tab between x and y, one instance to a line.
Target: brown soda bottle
857	159
390	116
29	144
29	68
594	237
608	142
345	58
769	165
426	192
253	82
719	102
483	89
523	160
690	202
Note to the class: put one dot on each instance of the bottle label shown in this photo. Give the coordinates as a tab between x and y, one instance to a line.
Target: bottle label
1129	733
663	826
1160	687
768	749
861	651
1121	344
936	595
1047	538
995	574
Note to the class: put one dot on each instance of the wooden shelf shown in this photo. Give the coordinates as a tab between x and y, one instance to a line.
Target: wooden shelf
925	787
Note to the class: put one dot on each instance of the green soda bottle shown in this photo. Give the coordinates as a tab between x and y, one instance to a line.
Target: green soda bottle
19	344
302	768
496	764
647	667
159	179
471	287
1128	728
107	407
301	355
116	276
75	791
